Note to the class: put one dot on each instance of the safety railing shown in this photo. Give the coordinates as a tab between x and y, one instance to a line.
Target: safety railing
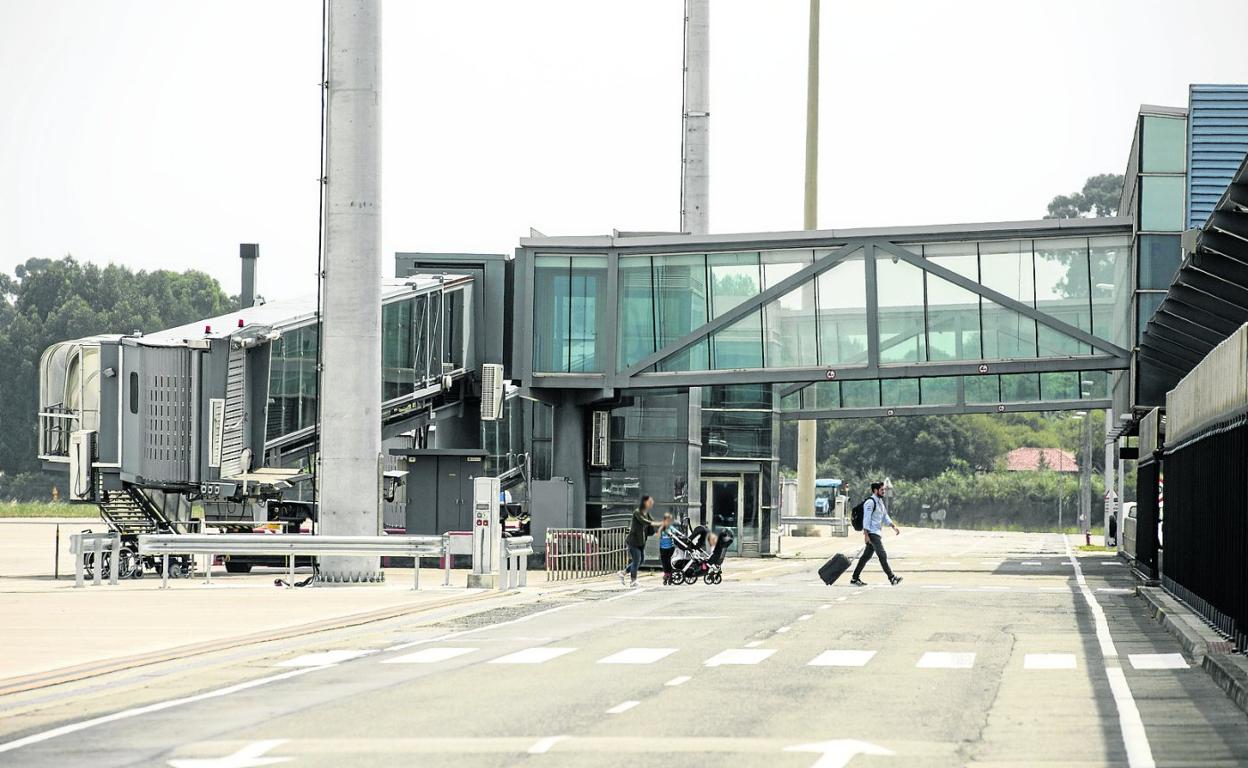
838	525
513	561
89	553
578	553
290	546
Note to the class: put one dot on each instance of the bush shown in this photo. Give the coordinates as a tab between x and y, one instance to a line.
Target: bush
1017	500
31	486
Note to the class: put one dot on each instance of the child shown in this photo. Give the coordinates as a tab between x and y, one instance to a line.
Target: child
666	546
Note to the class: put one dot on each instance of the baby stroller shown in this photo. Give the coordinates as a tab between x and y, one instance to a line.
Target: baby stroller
695	560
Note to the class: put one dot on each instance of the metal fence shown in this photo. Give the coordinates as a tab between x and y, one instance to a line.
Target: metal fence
577	553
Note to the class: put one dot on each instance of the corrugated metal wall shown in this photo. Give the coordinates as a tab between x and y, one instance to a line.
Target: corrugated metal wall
1217	140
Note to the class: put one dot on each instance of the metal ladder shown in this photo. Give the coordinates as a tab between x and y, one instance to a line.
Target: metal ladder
130	512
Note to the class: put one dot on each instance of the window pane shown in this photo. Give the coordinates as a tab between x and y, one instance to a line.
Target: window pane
860	394
1059	386
1161	203
899	392
588	281
1007	334
942	391
1095	383
823	395
842	297
1159	260
636	310
734	278
680	306
551	307
1110	261
1063	291
1020	387
1148	304
1006	267
903	335
952	311
981	389
740	345
1164	148
789	322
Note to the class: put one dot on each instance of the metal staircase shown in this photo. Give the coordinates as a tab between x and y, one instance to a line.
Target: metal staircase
130	512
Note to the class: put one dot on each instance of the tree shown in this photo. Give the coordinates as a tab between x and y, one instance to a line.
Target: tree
912	446
51	300
1099	197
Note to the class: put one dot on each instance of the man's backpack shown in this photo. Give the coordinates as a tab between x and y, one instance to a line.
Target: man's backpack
855	514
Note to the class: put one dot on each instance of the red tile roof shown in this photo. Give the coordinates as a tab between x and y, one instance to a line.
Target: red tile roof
1030	460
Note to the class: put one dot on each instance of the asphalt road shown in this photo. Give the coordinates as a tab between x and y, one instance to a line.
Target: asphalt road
989	653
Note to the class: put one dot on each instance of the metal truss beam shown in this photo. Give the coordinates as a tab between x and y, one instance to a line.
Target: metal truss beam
941	410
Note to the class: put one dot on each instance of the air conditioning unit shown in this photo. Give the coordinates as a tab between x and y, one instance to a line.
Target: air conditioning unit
491	392
600	440
81	465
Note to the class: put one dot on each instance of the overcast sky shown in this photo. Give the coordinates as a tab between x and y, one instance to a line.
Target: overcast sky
162	133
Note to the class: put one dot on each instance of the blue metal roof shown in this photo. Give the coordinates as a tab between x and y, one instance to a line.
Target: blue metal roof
1217	141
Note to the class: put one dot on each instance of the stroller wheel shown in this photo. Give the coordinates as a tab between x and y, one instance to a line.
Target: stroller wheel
719	578
709	579
677	578
691	578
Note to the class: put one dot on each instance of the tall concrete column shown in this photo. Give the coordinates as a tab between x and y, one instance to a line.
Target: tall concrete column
568	459
695	177
350	395
807	431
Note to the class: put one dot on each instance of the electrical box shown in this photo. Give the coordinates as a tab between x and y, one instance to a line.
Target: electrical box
81	463
485	526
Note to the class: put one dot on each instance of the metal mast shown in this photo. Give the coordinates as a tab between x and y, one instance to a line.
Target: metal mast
695	179
349	472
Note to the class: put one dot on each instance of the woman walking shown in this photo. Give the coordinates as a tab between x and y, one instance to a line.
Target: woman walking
639	530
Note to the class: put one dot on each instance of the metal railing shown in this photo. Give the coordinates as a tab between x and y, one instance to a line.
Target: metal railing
839	525
290	546
517	549
578	553
84	546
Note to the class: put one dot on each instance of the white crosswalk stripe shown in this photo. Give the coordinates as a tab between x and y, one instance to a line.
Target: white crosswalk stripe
1049	661
946	660
1157	660
323	658
537	655
637	656
429	656
841	659
734	656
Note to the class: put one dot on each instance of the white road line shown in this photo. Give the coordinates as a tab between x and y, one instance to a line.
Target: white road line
990	588
622	707
805	617
429	656
637	656
675	681
542	746
323	658
1111	562
1054	589
538	655
629	593
946	660
1157	660
734	656
1139	753
826	606
1134	738
1116	590
936	586
667	618
842	598
125	714
1032	562
782	630
841	659
475	630
1049	661
753	643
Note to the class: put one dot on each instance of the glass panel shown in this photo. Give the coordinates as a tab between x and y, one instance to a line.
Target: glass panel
551	306
1095	383
588	305
1063	291
952	312
1161	203
739	434
1159	260
740	345
981	389
790	321
1164	149
636	312
1006	267
1111	287
735	277
899	392
824	395
1020	387
397	362
737	396
1059	386
842	297
567	313
292	383
680	306
1007	334
942	391
420	352
1148	304
903	336
860	394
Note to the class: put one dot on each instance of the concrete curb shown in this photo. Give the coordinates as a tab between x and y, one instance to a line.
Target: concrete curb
1208	648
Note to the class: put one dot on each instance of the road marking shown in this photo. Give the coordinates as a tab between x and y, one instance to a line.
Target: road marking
474	630
858	592
734	656
322	658
249	756
536	655
782	630
1049	661
1111	562
1032	562
826	606
837	754
429	656
1157	660
936	586
1134	738
841	659
629	593
753	643
1116	590
675	681
667	618
622	707
843	598
637	656
805	617
542	746
990	588
946	660
125	714
1054	589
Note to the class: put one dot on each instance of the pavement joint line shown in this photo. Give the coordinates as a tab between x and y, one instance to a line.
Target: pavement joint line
542	746
622	707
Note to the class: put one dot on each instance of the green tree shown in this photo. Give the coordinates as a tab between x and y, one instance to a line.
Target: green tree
911	447
1099	197
49	300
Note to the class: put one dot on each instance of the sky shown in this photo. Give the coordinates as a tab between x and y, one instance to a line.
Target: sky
162	133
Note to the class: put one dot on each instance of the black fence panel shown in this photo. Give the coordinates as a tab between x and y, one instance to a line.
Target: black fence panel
1146	516
1205	527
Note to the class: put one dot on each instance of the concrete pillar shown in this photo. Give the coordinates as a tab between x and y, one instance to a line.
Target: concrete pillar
350	395
807	431
1111	461
568	458
695	178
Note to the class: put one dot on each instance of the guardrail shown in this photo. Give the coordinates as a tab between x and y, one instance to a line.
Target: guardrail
518	548
82	545
838	524
290	546
577	553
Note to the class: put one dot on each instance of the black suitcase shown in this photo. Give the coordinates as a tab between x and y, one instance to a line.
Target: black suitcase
832	570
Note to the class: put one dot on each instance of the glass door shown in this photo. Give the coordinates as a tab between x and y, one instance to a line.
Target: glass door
723	500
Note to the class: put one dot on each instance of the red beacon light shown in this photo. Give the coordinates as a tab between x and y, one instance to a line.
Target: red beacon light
240	322
207	329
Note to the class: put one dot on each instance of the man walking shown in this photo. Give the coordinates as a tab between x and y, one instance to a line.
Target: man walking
874	517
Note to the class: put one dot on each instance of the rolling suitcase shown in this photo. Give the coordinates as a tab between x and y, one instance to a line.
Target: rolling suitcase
832	570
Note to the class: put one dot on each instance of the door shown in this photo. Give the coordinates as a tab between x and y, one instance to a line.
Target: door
723	499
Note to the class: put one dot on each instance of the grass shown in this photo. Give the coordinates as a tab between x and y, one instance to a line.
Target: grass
10	509
1096	548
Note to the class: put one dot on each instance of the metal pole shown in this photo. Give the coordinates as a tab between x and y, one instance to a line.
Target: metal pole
56	554
98	545
695	179
350	445
164	571
80	554
808	430
1110	486
115	560
1085	479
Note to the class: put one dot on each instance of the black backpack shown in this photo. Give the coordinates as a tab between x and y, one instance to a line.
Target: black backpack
855	515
